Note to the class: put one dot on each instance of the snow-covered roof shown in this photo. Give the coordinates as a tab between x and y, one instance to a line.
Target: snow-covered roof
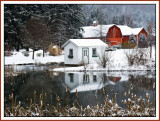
125	30
95	31
94	22
86	42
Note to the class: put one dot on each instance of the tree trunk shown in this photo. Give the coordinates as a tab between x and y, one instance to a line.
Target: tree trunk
33	54
43	52
17	48
150	50
27	48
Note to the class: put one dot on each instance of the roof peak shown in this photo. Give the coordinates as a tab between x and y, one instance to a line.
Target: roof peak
86	42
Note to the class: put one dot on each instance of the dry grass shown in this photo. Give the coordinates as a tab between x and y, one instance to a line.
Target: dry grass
133	106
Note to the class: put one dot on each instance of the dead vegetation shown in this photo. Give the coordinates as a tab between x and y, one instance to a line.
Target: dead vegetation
136	56
104	57
133	106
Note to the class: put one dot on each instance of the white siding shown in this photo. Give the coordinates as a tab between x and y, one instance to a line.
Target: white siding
91	59
73	60
76	80
77	54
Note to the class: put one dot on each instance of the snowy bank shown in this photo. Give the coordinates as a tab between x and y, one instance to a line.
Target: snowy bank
23	57
118	62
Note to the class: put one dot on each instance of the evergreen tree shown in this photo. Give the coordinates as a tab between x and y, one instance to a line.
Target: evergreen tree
115	20
16	15
97	14
64	21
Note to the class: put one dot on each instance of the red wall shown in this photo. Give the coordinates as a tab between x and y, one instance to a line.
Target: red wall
114	36
126	38
143	32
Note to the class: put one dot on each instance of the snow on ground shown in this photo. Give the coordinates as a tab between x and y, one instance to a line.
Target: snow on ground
117	62
19	58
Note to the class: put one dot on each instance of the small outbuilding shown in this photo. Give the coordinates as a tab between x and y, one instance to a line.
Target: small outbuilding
78	51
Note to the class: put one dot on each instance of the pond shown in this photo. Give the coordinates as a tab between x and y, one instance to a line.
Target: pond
41	80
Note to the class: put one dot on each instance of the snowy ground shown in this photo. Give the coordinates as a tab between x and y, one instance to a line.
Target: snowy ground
117	62
19	58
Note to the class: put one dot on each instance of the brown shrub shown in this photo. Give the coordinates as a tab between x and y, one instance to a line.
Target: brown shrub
54	50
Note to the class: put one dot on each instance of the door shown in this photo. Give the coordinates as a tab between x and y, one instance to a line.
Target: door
85	54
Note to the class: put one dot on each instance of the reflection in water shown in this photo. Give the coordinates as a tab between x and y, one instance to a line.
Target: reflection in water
87	83
90	80
55	83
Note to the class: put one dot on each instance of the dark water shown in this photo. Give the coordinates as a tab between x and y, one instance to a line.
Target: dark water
55	83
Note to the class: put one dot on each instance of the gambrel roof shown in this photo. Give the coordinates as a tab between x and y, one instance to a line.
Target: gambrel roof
102	30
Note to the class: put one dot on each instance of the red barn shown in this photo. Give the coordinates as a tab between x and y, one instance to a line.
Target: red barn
121	33
112	34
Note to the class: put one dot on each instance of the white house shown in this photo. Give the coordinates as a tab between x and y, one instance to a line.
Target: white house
82	50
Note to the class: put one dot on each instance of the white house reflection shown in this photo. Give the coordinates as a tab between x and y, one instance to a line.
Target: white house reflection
81	81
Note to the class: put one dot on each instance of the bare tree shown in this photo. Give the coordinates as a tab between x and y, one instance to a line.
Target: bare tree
104	57
141	56
129	20
35	34
84	63
131	54
136	56
150	37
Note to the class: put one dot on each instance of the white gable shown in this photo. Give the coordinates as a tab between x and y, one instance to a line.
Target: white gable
91	31
86	42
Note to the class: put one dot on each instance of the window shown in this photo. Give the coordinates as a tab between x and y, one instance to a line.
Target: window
85	78
94	78
71	77
85	52
94	52
70	53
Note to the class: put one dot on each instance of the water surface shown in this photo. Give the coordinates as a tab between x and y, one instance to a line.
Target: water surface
54	84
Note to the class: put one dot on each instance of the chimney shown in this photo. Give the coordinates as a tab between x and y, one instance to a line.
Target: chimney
95	23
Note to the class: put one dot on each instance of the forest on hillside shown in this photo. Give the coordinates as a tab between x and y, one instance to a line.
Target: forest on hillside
59	22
